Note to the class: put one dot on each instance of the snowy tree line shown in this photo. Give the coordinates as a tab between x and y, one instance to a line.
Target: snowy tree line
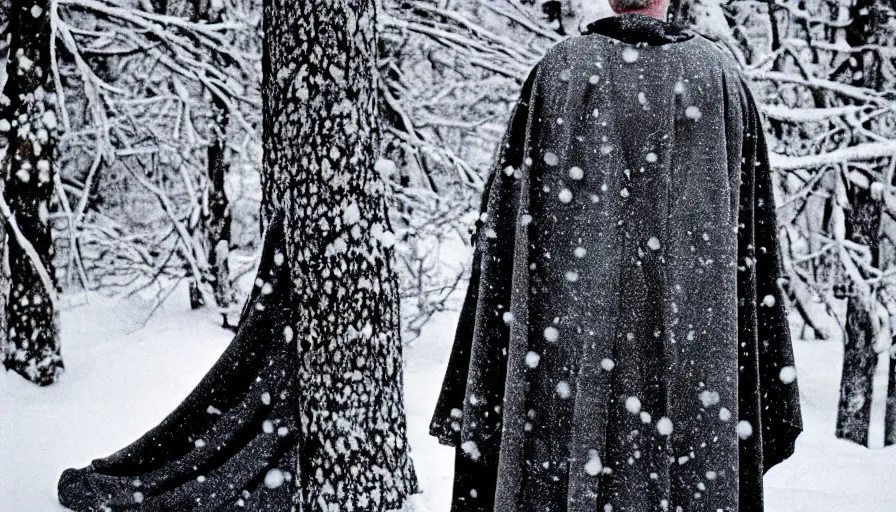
148	117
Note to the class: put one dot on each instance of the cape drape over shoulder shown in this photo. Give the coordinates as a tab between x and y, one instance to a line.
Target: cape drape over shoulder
231	444
623	345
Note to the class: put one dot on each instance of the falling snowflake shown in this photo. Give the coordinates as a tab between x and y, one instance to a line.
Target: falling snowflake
563	390
532	359
551	158
744	429
576	173
630	55
551	334
633	404
565	195
664	426
693	112
594	466
724	414
787	375
709	398
274	478
471	449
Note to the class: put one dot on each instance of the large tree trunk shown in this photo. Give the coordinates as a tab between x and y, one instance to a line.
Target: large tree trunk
862	226
29	119
320	141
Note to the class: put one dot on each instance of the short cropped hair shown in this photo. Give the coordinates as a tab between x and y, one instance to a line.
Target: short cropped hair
632	5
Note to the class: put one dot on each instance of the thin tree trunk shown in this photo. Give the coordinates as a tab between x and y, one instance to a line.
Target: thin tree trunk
862	226
217	220
859	361
320	141
681	13
890	415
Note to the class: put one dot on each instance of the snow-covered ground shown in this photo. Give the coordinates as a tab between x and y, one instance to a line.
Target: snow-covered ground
123	377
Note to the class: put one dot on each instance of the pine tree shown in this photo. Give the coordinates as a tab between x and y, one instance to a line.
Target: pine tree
320	139
28	118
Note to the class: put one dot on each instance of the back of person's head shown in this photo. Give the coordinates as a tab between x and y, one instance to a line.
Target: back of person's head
655	8
630	5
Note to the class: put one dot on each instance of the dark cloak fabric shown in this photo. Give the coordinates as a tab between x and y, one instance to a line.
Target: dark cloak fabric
623	344
230	445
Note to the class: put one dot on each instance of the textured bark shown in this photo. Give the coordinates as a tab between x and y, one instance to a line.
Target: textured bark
859	357
216	219
859	361
320	141
863	220
32	348
890	415
681	12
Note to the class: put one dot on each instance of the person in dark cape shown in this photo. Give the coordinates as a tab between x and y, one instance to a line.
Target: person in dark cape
231	444
623	345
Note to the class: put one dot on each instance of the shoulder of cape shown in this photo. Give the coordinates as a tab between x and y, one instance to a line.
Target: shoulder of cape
716	55
698	48
572	47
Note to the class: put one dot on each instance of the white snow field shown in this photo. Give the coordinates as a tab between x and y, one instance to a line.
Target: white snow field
123	377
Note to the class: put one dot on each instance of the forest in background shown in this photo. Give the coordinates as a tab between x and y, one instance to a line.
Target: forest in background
142	120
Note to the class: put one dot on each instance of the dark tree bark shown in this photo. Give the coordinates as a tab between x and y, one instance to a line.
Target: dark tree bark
681	12
890	414
217	220
320	141
862	226
29	120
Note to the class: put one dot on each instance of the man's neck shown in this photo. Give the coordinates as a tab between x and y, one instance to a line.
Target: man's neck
654	11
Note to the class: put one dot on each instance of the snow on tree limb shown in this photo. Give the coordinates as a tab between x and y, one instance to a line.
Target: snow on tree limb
865	151
30	251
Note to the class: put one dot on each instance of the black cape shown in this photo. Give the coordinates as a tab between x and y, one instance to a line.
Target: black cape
231	444
624	345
